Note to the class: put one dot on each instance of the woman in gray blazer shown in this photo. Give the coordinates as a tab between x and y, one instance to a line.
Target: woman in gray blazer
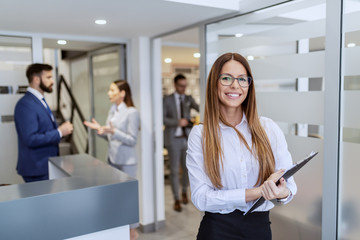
121	129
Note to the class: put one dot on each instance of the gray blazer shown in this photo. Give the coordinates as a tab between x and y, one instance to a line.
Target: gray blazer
171	118
126	122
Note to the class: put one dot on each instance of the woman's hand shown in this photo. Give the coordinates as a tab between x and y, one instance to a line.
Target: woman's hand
106	129
93	124
270	191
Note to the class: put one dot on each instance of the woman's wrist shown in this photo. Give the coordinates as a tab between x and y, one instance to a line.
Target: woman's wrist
260	192
284	199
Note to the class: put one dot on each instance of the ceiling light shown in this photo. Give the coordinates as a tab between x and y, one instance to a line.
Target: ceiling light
61	42
239	35
196	55
168	60
351	45
100	21
250	58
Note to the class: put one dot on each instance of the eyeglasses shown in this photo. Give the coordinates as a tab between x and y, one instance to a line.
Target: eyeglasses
227	80
181	85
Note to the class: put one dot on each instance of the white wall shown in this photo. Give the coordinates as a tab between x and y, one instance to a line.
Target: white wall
141	83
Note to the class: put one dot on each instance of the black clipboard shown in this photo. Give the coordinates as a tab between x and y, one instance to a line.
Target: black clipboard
291	171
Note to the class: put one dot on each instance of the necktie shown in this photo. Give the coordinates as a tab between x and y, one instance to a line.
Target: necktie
182	113
48	110
181	107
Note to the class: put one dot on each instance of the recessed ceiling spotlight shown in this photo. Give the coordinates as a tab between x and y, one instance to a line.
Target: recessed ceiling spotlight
239	35
351	45
196	55
61	42
100	21
168	60
250	58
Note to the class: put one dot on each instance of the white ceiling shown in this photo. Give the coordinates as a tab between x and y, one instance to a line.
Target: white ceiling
125	18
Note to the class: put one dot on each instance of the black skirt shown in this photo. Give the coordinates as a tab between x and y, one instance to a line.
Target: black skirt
235	226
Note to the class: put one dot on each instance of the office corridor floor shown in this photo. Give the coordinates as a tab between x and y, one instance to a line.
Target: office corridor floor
178	225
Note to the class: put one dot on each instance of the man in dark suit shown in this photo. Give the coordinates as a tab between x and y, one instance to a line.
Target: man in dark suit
37	131
176	110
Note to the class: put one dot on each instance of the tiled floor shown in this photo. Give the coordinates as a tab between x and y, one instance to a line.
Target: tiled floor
178	225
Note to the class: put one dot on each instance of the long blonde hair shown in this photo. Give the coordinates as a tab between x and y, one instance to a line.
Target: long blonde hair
212	151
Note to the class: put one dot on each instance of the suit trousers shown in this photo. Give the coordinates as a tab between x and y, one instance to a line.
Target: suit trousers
177	156
235	226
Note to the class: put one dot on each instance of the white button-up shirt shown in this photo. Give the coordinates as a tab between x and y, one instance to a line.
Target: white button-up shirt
240	171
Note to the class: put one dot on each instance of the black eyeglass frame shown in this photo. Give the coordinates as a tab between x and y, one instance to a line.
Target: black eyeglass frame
240	81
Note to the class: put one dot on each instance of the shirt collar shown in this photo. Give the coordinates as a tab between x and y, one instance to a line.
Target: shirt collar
115	108
35	92
243	121
177	95
121	106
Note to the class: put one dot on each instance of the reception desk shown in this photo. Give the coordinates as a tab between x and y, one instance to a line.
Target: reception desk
84	199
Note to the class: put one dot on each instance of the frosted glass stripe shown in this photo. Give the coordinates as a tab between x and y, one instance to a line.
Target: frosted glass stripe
8	103
14	77
266	51
298	107
289	66
351	59
351	116
14	57
299	147
277	36
351	21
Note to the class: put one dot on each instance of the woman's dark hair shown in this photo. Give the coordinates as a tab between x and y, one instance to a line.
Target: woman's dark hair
178	77
123	85
36	69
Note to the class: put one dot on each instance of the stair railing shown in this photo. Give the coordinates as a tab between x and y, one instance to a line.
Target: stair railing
68	109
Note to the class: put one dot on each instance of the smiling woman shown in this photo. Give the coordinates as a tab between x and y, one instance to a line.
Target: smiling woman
235	157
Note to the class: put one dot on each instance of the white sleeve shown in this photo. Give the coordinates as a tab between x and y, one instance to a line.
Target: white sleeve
128	138
283	159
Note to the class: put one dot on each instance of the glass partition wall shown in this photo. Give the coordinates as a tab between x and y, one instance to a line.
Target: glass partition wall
285	46
15	55
349	197
107	65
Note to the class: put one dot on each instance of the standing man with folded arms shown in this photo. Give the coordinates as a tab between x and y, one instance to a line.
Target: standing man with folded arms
37	131
176	110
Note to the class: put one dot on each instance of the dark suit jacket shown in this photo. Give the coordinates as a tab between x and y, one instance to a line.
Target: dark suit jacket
38	137
171	118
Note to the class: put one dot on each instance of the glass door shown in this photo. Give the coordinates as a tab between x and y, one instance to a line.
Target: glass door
349	197
106	66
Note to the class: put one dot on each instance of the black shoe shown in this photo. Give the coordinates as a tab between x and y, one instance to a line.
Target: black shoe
177	206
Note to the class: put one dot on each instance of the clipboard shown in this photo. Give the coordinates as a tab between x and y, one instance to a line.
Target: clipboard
291	171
